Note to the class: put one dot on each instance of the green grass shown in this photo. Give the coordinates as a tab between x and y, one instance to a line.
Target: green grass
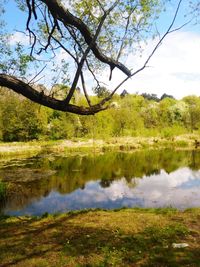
87	146
125	237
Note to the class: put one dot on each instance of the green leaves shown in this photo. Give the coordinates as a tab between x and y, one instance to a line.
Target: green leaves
72	41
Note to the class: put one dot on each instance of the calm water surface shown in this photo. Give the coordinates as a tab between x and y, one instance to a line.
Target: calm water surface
55	184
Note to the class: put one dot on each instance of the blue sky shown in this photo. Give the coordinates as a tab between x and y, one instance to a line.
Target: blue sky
14	17
174	69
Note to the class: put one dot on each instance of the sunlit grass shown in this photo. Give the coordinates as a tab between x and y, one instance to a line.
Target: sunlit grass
126	237
81	145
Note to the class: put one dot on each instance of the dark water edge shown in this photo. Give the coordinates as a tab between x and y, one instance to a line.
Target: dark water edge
148	178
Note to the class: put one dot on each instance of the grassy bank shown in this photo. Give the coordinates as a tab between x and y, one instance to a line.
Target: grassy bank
90	145
128	237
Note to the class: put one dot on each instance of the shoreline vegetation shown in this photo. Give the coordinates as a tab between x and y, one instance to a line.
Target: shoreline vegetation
125	237
83	145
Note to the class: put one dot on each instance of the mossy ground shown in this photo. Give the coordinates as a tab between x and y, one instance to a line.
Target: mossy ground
127	237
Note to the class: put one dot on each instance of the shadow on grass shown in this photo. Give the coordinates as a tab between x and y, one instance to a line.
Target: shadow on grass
64	241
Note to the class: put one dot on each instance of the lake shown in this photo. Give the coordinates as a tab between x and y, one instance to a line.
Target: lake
54	184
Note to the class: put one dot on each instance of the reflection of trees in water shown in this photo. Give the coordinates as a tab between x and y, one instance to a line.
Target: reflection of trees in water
3	194
194	160
74	172
106	183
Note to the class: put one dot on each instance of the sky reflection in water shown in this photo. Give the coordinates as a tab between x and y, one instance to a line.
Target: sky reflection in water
178	189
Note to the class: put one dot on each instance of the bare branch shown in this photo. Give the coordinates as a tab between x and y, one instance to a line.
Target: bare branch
125	33
63	15
37	75
31	33
81	63
84	89
33	9
169	30
182	26
64	48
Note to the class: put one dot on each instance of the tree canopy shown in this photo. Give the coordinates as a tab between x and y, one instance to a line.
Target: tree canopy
88	36
133	115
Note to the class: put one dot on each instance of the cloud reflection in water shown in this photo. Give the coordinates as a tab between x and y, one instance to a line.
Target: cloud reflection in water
178	189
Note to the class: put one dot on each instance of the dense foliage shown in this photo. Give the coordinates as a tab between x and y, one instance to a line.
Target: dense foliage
131	115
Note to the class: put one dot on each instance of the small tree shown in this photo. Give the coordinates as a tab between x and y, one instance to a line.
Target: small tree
101	91
192	118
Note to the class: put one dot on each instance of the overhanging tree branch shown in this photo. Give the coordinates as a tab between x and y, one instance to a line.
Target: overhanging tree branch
29	92
81	41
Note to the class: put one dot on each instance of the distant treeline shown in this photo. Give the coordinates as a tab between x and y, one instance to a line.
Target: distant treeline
130	115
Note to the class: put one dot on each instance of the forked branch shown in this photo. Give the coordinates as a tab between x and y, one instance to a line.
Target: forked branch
60	17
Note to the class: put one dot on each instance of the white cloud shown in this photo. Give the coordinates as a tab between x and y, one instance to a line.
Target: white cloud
174	68
19	37
178	189
175	189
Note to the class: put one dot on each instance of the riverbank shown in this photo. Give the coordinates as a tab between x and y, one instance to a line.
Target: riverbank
95	145
127	237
